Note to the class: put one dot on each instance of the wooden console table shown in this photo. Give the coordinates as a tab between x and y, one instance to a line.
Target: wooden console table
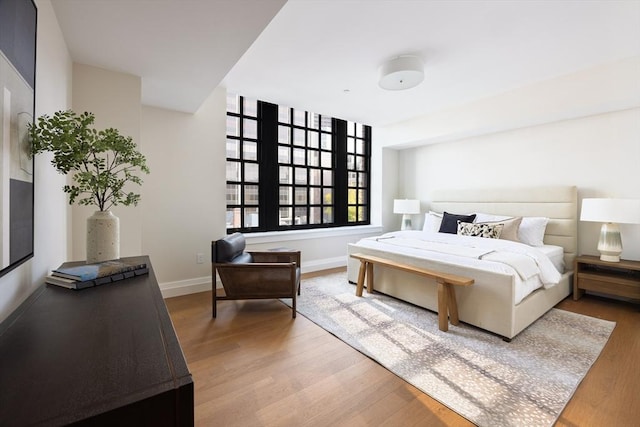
101	356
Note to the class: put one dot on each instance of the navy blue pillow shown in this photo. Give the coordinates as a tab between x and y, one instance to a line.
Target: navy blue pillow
450	222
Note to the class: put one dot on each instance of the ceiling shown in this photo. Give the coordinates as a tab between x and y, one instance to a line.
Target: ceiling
323	55
181	49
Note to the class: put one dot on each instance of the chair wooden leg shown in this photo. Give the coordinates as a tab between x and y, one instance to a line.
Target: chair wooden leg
293	307
214	304
214	307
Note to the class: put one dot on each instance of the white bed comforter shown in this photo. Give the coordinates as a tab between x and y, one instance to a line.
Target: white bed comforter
531	268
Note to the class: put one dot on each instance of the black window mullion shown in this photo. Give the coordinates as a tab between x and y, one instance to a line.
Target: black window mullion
269	171
367	151
242	163
340	190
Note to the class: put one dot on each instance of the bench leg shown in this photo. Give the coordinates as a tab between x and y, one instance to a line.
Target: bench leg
452	304
370	277
360	284
443	321
447	306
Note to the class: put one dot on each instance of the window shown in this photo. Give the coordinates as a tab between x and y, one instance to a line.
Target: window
294	169
357	173
243	167
305	168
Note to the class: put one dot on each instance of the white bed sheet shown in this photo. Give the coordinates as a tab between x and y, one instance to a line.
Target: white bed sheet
555	255
523	286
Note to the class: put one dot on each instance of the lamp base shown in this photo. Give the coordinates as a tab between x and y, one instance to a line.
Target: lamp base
610	242
406	222
610	258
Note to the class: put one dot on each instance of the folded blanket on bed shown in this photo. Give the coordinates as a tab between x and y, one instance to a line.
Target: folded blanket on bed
525	266
445	248
526	260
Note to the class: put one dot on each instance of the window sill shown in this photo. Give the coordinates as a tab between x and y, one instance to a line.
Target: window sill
288	235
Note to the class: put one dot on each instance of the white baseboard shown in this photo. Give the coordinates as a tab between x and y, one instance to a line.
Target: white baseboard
185	287
202	284
324	264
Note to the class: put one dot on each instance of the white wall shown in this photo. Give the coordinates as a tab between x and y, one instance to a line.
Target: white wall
114	98
53	93
320	249
574	138
184	194
390	188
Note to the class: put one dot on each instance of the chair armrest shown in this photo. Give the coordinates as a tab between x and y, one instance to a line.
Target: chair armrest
276	256
254	265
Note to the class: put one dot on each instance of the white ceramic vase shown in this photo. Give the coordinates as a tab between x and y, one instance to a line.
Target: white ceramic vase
103	237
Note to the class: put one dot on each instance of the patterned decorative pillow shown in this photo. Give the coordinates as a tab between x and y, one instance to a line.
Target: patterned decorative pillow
510	230
490	231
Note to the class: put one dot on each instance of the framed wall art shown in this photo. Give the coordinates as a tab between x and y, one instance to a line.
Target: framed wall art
18	19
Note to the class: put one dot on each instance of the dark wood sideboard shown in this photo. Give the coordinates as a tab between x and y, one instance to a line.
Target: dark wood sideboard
101	356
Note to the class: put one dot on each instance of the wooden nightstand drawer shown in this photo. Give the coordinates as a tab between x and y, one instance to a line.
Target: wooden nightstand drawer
614	278
619	287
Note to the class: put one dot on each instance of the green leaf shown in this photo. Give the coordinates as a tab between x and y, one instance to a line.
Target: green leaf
102	162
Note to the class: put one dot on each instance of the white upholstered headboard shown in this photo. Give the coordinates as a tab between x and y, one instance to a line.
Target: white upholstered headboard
559	204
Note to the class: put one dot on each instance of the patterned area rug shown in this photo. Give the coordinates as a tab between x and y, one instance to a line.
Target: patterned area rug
526	382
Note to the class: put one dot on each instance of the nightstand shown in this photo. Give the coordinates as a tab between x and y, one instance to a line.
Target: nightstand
614	278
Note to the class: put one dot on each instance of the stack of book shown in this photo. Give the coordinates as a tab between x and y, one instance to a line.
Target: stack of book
88	275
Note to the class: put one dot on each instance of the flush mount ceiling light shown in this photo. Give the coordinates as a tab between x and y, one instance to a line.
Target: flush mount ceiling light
401	72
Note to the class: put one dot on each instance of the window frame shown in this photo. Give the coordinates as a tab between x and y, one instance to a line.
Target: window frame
269	144
312	161
243	160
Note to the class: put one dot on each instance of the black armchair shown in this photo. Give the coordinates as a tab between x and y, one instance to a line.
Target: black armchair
253	275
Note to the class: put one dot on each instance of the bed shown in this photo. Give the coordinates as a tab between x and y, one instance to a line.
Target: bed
496	301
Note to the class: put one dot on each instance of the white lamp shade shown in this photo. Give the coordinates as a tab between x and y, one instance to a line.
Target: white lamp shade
621	211
406	206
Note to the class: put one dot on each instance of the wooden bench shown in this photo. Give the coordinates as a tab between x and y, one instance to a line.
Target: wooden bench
447	305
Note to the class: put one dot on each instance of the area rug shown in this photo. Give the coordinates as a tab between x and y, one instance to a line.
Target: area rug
526	382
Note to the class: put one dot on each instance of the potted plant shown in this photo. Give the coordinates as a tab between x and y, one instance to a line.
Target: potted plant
102	163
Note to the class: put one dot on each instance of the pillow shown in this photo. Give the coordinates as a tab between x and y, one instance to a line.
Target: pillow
491	231
532	230
510	228
432	221
485	217
450	222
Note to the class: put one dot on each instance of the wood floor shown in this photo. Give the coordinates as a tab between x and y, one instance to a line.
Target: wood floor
256	366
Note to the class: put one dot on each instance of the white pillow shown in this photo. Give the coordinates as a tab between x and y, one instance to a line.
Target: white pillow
485	217
432	221
531	231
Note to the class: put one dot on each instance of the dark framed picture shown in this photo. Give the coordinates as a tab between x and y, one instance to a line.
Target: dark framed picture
18	23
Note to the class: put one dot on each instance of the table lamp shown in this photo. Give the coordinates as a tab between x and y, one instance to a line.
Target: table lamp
610	212
406	207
